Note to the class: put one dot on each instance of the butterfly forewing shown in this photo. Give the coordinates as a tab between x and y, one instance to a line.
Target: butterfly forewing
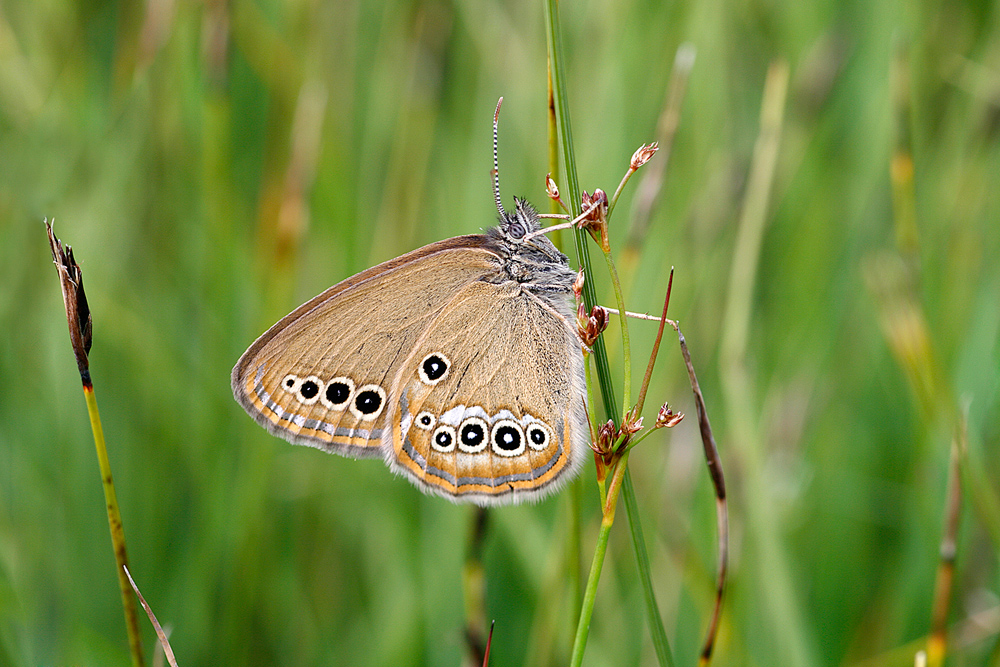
321	375
490	399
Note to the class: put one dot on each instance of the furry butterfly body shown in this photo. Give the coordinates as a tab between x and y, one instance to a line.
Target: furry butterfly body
457	363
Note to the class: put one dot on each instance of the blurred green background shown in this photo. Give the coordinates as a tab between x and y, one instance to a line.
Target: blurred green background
215	164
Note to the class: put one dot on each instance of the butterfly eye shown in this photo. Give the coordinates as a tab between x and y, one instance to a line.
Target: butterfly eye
368	402
443	439
309	390
538	436
472	435
434	368
291	383
507	438
337	393
425	420
516	230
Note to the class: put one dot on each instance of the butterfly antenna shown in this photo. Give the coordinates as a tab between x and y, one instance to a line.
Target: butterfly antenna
496	163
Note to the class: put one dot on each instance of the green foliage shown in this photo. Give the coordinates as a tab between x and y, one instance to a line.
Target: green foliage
215	164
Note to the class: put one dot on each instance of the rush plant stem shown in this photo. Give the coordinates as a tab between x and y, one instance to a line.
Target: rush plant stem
620	475
600	550
659	639
81	336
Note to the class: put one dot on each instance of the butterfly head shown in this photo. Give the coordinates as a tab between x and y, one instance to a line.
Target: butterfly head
520	222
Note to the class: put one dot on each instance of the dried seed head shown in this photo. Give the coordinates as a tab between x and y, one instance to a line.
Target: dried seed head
78	316
578	285
667	418
643	155
551	188
581	323
632	426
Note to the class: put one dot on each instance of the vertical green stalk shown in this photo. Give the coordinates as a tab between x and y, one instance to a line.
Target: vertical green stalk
655	621
574	563
600	550
573	186
115	525
553	144
620	475
561	108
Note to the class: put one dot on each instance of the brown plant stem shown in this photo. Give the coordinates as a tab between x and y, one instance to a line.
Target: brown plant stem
656	347
474	587
721	504
160	634
937	643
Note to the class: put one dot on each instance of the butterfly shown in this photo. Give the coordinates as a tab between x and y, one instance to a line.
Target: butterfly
458	363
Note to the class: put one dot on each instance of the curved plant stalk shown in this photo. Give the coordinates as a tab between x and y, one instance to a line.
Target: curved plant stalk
168	652
489	642
721	504
608	508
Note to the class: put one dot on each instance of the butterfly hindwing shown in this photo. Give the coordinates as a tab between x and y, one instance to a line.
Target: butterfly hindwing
490	401
321	375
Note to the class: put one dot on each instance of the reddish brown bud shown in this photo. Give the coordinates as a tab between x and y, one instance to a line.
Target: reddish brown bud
594	219
590	327
75	300
598	319
606	436
603	454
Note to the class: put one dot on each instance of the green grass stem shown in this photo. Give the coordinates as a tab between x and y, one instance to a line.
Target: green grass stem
116	527
653	616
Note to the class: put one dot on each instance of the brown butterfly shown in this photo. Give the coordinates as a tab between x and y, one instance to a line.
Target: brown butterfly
458	363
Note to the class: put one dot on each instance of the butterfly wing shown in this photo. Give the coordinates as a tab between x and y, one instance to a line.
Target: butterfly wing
321	375
490	402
